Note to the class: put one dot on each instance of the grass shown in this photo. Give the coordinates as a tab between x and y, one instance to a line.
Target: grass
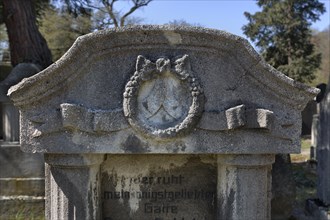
305	151
22	215
305	143
304	175
21	210
298	158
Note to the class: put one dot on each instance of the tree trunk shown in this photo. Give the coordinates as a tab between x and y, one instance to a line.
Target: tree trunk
26	42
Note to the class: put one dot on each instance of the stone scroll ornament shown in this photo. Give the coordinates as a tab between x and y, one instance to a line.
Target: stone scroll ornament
163	99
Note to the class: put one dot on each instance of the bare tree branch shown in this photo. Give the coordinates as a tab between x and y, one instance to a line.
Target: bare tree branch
109	6
87	3
137	4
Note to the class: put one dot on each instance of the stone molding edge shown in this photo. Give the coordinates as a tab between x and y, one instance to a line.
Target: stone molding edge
246	159
143	72
77	118
74	160
23	94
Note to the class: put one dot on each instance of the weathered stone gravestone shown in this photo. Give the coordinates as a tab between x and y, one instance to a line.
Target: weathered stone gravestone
323	150
320	208
160	122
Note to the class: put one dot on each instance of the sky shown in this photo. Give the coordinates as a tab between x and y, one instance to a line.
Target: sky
227	15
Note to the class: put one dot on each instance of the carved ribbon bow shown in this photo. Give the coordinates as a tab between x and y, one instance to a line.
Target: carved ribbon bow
148	70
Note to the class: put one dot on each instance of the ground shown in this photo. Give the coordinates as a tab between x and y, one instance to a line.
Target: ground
304	172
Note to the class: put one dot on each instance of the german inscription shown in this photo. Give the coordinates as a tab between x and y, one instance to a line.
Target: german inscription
178	189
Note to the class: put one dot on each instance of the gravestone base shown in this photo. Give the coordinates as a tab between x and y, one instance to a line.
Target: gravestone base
158	187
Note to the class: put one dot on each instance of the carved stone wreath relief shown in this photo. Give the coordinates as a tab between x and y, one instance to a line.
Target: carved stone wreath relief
163	99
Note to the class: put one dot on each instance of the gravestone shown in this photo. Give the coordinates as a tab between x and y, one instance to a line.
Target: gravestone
160	122
307	117
315	131
319	208
323	150
21	174
10	115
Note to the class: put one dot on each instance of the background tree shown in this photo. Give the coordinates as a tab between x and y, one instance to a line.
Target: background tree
182	22
60	35
322	43
281	31
102	20
3	39
26	42
28	45
3	34
106	12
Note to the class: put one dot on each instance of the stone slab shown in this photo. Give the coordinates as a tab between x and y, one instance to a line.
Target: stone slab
22	186
323	149
17	164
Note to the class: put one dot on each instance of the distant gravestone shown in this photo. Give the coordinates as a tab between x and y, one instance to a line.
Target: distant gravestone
10	116
21	174
323	149
315	131
160	122
319	208
307	117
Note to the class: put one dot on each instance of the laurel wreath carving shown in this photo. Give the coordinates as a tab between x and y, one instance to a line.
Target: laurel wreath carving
147	70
